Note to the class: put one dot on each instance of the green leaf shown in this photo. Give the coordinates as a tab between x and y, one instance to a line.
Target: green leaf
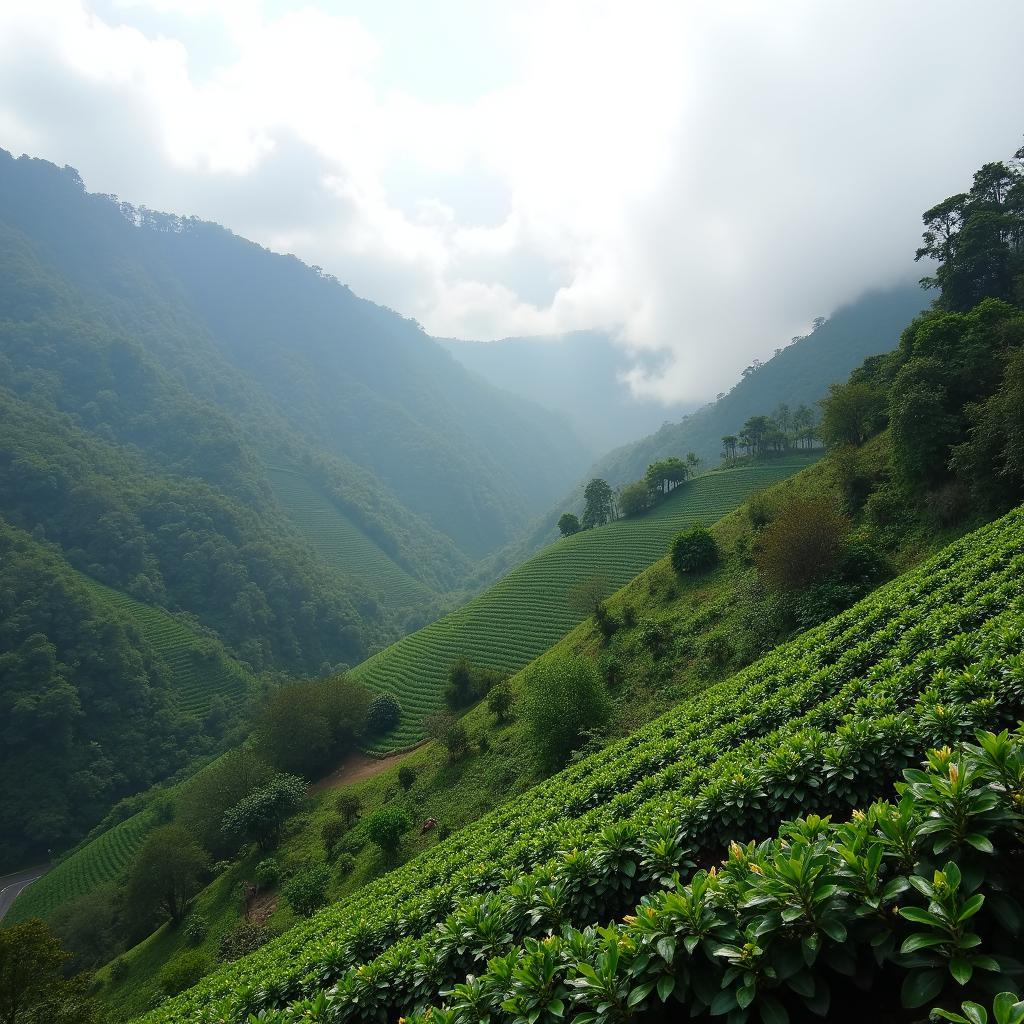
919	916
980	842
971	907
666	986
921	940
974	1013
745	996
1006	1008
961	969
666	947
920	987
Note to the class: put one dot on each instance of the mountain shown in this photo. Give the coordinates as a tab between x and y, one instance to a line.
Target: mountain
798	374
579	374
254	331
226	436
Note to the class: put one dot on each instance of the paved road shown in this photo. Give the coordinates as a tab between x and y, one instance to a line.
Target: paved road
11	885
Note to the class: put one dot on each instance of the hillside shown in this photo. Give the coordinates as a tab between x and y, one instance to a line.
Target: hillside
528	610
264	337
824	723
579	375
343	546
798	374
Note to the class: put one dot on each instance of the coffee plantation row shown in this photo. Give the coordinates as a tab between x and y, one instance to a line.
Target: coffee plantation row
826	722
527	611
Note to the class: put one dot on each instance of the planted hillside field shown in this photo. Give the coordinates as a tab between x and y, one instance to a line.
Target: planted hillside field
524	613
199	668
342	545
825	723
98	862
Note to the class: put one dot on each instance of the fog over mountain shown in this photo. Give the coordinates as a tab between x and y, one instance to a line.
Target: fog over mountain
681	170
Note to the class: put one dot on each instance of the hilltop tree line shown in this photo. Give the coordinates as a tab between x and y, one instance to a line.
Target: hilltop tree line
602	504
783	430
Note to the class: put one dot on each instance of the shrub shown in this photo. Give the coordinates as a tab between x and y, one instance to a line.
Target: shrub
348	806
118	969
585	596
449	732
802	544
306	890
184	971
344	863
563	697
195	929
499	702
406	777
243	939
694	550
607	624
383	714
331	833
468	683
760	510
261	815
385	828
268	872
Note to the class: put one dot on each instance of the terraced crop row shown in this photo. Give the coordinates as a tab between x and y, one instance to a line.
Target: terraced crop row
527	611
199	670
342	545
107	857
824	722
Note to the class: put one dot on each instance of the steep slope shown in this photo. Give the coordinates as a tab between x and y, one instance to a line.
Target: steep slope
579	375
828	720
528	610
799	373
255	333
343	546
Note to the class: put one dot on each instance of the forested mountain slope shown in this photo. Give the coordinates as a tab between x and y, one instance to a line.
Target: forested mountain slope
798	374
250	330
580	375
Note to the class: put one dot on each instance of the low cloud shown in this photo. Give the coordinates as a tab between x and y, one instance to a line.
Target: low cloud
700	178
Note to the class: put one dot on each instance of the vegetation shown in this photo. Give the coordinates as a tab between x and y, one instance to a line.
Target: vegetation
694	550
166	874
524	613
837	713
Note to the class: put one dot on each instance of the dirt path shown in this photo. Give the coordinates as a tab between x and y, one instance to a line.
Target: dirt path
356	768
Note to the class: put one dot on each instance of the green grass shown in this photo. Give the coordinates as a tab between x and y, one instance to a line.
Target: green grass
200	670
527	611
342	545
102	860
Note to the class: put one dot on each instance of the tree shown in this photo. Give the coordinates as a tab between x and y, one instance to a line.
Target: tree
385	828
449	732
30	965
599	501
563	697
584	597
166	874
634	499
694	551
468	683
801	544
666	475
90	927
348	805
260	815
693	461
383	714
754	434
205	797
306	890
305	727
406	777
851	413
729	443
499	702
568	524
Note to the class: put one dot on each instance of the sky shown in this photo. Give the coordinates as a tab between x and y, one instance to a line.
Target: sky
700	178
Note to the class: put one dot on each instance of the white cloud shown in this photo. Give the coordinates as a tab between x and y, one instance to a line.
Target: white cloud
706	177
